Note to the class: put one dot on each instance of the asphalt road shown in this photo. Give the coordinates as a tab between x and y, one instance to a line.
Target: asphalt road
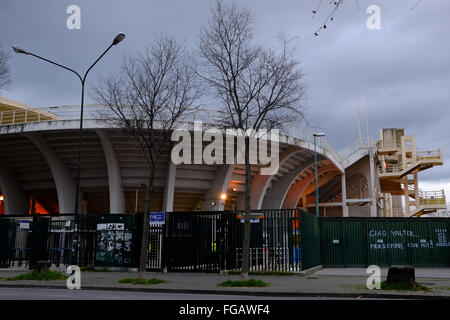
65	294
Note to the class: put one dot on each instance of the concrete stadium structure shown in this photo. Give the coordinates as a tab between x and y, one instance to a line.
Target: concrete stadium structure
38	153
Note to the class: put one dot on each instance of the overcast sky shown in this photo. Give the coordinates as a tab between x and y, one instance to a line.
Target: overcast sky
403	68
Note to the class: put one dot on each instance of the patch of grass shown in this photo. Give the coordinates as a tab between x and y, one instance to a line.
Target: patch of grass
264	273
92	269
442	288
404	286
41	276
142	281
243	283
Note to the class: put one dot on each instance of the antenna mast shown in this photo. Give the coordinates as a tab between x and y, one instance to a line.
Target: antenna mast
358	107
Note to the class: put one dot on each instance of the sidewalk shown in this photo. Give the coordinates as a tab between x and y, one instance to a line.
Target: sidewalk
325	283
430	273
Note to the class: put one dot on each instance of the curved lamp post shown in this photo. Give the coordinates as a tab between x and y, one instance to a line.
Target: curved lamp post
321	134
116	40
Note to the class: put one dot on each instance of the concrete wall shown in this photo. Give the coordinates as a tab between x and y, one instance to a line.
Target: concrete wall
359	211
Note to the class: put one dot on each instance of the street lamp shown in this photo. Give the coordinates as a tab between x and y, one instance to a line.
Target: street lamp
116	40
321	134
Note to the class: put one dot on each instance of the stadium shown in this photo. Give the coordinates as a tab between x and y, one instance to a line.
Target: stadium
39	154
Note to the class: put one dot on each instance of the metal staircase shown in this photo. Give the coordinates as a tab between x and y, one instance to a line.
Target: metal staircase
424	201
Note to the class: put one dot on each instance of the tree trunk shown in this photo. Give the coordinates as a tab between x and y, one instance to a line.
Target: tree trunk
246	239
145	225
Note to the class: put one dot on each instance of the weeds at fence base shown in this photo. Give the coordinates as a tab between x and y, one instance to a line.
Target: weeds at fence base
41	276
404	286
243	283
142	281
264	273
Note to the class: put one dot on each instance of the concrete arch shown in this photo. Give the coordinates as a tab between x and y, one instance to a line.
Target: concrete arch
14	199
116	192
260	182
65	184
296	191
274	198
220	185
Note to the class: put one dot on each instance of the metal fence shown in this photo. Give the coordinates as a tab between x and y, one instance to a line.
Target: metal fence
360	242
59	239
275	243
280	240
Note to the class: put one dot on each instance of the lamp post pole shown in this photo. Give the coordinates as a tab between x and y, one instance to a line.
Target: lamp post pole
315	166
116	40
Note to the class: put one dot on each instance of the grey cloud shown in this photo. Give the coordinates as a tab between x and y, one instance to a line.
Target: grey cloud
403	69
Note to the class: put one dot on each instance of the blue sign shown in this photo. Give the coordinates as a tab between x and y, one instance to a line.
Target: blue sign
252	220
157	217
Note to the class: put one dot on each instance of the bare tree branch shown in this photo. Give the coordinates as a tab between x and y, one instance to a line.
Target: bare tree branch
149	95
259	88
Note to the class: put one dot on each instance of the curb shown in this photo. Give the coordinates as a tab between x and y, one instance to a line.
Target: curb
246	293
310	271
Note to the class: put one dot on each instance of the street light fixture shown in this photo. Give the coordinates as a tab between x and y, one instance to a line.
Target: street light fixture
117	39
320	134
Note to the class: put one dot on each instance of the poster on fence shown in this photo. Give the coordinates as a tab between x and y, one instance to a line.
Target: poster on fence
114	242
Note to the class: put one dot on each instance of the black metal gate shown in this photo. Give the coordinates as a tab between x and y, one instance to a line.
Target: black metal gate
275	240
193	241
281	240
39	240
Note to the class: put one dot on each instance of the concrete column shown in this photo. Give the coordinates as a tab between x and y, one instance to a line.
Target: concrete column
373	207
220	185
116	193
397	205
169	188
65	183
14	199
406	194
416	189
391	211
344	197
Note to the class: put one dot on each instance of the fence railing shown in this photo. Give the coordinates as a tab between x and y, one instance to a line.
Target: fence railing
363	143
390	169
421	157
101	112
19	116
429	155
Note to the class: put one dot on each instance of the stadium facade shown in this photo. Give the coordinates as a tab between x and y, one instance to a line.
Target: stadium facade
38	158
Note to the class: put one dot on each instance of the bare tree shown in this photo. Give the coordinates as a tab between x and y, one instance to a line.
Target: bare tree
146	98
257	88
4	70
